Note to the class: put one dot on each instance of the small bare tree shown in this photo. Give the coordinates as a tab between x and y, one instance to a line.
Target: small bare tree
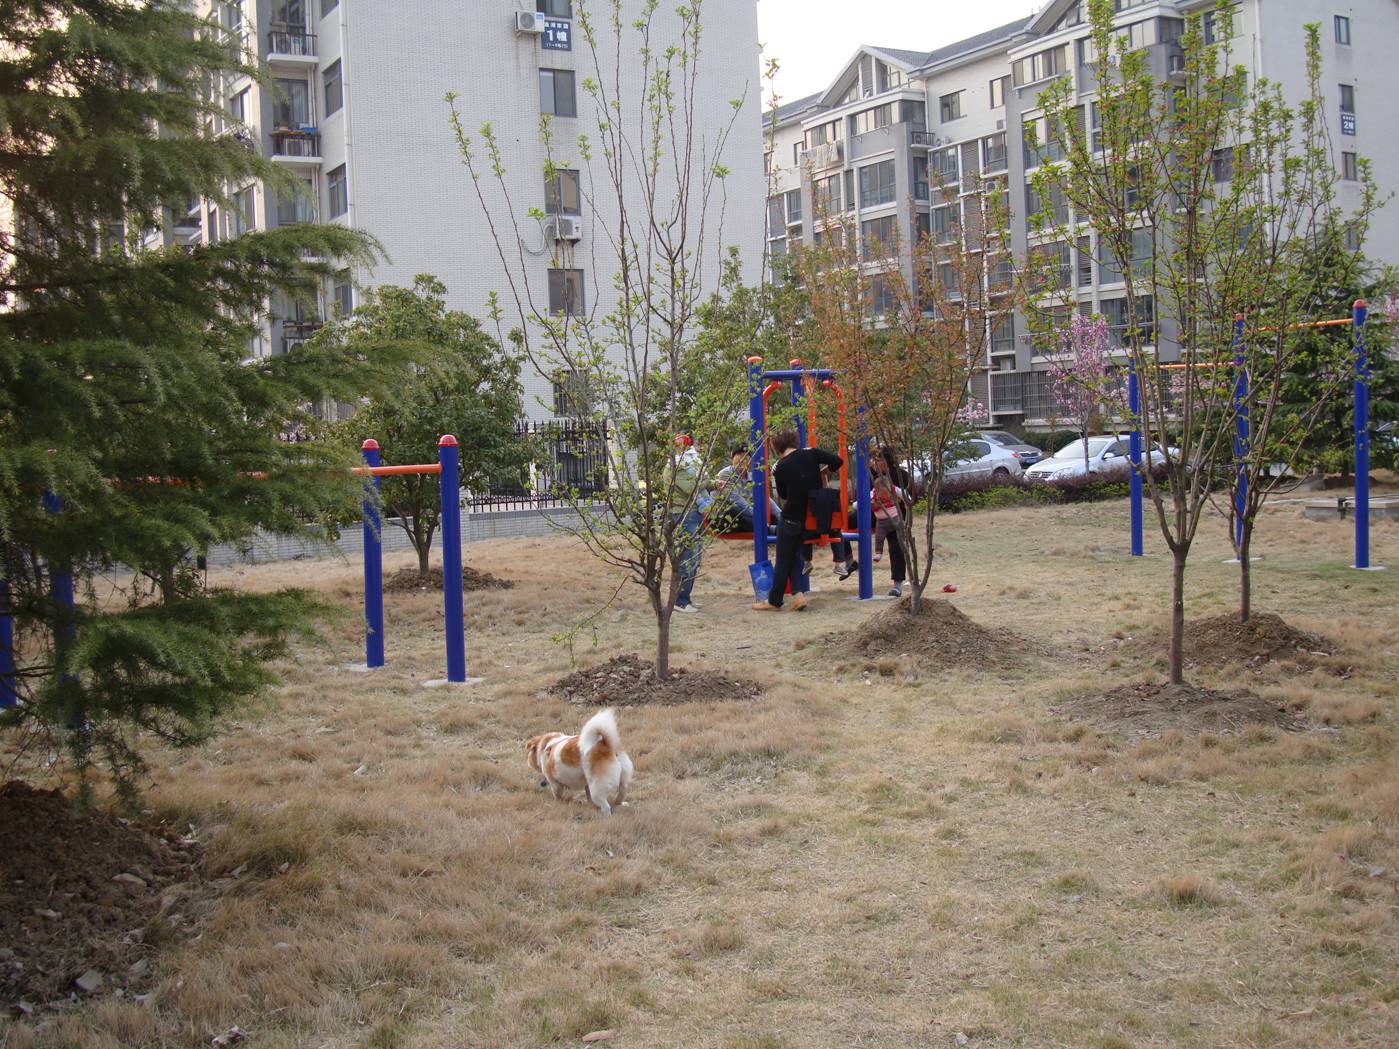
654	184
907	331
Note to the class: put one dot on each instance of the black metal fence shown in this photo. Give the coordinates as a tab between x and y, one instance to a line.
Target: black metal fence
568	460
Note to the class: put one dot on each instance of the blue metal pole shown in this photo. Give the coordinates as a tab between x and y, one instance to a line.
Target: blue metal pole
1362	439
864	517
60	581
373	563
9	693
453	613
803	583
1134	452
1241	449
758	465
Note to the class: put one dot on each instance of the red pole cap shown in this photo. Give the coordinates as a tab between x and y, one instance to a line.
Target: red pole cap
447	441
755	360
370	445
1360	304
795	362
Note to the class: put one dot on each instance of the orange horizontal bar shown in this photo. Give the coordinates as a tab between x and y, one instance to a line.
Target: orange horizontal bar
1315	324
396	471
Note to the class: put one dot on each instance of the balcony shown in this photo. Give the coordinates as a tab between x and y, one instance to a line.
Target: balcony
826	155
1007	392
294	333
291	42
921	138
296	146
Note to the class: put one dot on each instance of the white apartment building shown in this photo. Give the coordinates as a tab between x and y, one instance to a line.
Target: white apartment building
354	107
895	124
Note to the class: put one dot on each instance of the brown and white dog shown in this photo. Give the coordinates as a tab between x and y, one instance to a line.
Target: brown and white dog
592	761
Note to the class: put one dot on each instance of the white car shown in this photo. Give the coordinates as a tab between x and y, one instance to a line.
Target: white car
982	460
1107	455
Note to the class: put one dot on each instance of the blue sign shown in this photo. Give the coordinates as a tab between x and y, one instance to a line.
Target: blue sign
1347	123
558	35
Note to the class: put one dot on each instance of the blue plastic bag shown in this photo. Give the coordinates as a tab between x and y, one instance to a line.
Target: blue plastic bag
761	571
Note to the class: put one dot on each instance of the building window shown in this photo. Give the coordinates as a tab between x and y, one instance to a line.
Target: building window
571	395
343	293
289	14
823	133
334	96
877	184
879	240
213	225
777	217
944	164
1352	238
556	93
1208	27
948	280
850	191
1350	167
942	225
881	297
950	107
296	205
994	155
1222	164
794	207
328	6
920	177
1342	30
1347	98
238	107
1041	66
554	8
796	154
1120	326
825	194
292	106
998	91
872	119
562	193
1003	334
566	292
338	190
244	213
1085	262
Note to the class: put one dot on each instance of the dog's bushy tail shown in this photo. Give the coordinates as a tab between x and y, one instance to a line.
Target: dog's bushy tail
599	739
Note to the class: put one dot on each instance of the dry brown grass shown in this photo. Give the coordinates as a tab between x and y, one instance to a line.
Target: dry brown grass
854	859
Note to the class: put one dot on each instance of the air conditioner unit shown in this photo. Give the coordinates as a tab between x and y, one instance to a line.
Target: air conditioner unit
528	22
565	227
1000	125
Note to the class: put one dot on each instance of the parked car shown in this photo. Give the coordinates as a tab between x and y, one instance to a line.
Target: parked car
1107	455
981	460
1027	454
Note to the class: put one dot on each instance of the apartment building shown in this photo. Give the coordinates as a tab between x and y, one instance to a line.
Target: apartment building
353	107
901	138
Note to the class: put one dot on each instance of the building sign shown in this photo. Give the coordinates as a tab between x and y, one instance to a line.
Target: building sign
1347	123
558	34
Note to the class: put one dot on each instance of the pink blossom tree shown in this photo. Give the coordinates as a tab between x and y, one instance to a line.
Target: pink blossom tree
1086	385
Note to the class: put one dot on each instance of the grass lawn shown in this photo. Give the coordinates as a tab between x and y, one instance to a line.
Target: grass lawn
888	853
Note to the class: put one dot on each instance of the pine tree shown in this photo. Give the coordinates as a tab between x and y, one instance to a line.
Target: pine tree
124	396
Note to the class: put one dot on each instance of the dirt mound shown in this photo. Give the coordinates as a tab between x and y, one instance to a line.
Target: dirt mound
410	580
1151	709
627	681
940	632
1265	637
84	897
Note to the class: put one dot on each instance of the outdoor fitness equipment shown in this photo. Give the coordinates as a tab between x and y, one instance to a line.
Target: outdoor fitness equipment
447	466
804	384
1361	393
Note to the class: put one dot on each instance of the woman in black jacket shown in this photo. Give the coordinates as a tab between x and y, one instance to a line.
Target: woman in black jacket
797	474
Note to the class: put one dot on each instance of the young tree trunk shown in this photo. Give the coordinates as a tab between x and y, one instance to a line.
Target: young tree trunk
1245	575
663	644
1176	652
424	552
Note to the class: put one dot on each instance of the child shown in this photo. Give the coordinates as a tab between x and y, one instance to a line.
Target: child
886	513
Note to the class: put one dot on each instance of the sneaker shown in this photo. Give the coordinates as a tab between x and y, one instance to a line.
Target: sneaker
798	602
763	606
691	607
846	570
878	558
806	566
896	591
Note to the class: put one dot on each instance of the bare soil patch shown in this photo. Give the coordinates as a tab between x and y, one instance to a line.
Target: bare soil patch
1266	637
1146	709
83	893
410	580
940	633
628	681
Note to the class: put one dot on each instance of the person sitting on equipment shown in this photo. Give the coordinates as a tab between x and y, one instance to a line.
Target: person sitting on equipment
731	510
842	553
797	474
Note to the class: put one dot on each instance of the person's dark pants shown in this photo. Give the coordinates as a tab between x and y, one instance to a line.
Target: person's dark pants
788	568
896	557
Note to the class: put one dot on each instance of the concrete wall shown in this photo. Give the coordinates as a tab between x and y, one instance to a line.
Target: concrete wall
506	524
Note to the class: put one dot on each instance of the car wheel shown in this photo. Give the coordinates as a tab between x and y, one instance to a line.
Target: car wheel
1000	475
